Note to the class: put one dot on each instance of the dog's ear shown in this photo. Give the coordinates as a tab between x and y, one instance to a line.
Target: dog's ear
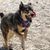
29	4
21	5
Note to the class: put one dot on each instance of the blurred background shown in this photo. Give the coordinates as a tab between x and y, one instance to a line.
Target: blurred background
38	37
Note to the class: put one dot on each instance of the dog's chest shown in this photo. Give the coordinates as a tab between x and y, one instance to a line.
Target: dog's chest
20	28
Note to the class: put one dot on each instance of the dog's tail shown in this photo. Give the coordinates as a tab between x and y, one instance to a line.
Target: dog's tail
1	15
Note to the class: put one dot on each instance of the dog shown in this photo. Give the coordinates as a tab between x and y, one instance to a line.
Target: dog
18	22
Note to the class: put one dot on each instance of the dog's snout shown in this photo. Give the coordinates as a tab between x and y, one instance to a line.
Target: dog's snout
32	14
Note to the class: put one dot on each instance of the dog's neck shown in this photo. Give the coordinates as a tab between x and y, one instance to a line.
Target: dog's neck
18	15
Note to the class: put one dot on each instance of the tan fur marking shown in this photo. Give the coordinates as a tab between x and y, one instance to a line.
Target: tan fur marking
10	35
23	16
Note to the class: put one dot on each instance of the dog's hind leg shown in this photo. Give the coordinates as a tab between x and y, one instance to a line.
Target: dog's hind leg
5	31
5	40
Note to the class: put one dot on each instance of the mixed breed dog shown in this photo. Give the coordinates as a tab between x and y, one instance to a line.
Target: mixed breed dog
17	22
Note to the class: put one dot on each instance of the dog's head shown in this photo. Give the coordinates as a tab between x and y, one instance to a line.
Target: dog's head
27	14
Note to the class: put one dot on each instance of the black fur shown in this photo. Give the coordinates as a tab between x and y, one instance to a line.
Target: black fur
1	14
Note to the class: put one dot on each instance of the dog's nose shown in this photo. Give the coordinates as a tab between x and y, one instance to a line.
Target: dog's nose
33	14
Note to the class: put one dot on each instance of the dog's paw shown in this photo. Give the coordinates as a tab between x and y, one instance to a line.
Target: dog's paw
10	49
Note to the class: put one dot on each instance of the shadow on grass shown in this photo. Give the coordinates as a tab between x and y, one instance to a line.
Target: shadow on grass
3	48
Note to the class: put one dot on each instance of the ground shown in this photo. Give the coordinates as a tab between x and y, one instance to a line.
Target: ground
38	37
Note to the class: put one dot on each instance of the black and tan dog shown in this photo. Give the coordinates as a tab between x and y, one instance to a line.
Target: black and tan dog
17	22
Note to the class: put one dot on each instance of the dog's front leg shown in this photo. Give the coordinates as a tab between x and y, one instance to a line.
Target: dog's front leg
23	43
25	34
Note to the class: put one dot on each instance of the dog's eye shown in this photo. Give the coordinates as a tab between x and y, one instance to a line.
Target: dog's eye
27	12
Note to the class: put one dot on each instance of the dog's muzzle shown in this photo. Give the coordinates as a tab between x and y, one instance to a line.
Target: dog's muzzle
33	14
